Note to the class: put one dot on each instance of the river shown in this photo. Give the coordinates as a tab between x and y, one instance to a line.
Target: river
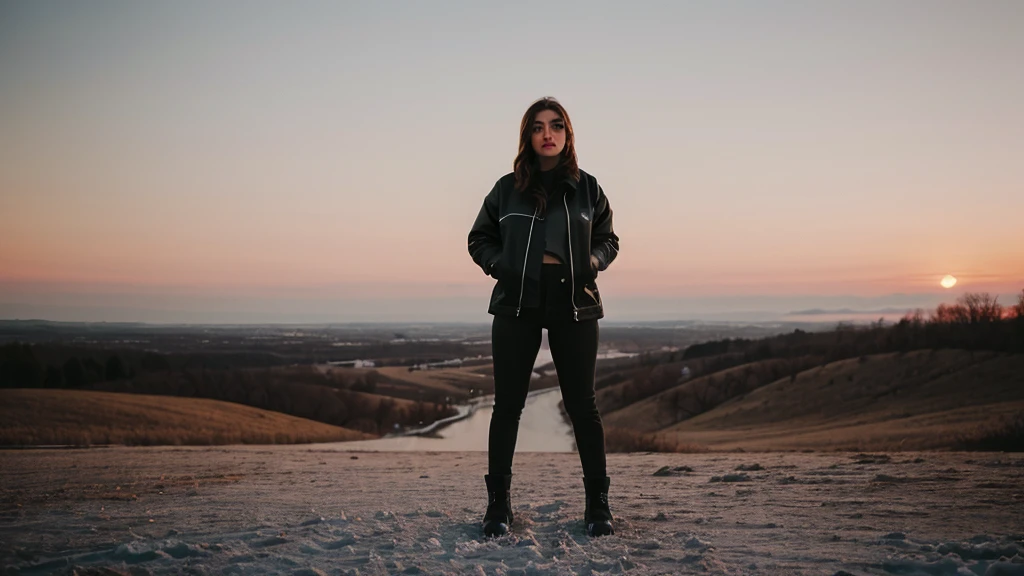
541	427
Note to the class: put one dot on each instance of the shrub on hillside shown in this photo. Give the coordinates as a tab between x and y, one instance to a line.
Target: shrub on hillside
1007	435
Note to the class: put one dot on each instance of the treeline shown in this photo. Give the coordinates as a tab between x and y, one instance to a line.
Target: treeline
704	394
973	322
20	368
688	396
24	365
60	365
654	375
56	365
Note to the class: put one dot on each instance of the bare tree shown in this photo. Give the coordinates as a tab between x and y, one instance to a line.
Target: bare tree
981	307
1018	308
950	314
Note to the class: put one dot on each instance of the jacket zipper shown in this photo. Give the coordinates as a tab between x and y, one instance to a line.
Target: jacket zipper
526	259
572	273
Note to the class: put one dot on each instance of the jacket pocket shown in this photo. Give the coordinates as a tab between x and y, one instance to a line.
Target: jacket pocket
494	270
501	270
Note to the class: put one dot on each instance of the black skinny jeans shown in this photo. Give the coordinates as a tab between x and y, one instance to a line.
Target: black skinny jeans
515	342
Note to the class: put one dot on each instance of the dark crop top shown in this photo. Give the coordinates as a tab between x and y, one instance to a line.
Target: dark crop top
557	237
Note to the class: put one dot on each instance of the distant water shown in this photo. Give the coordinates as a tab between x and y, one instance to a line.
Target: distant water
541	428
852	317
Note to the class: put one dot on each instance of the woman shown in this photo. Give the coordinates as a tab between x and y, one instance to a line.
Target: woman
544	232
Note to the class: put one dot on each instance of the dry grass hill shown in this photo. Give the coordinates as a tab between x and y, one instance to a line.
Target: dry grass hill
84	417
692	397
925	399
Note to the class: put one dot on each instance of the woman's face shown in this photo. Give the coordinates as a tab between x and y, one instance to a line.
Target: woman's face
548	134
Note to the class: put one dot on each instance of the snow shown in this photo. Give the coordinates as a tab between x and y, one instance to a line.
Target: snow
316	510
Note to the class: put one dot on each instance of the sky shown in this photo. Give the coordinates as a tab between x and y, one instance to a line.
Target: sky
252	161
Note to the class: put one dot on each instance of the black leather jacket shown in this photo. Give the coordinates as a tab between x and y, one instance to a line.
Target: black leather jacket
507	242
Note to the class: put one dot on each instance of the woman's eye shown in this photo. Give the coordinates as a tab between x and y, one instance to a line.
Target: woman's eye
558	126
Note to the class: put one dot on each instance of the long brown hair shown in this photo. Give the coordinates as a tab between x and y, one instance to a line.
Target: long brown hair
527	178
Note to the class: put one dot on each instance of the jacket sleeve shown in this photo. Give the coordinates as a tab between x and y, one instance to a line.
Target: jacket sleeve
485	236
604	244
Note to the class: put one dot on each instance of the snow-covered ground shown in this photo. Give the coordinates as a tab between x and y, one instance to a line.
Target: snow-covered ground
318	510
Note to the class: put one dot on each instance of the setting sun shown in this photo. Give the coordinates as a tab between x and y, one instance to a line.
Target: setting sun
948	281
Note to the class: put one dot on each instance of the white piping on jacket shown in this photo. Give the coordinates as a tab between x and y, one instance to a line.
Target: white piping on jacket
518	214
526	258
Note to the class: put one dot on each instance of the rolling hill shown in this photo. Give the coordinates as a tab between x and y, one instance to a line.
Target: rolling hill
924	399
84	417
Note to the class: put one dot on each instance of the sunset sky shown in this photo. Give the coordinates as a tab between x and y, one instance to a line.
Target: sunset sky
245	161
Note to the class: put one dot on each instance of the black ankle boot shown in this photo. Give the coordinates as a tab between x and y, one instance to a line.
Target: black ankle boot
597	516
498	518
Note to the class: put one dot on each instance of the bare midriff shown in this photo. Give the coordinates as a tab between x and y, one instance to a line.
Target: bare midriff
551	259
